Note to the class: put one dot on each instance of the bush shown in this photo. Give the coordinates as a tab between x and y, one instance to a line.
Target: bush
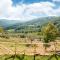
22	36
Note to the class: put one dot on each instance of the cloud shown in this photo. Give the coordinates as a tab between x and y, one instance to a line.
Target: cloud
56	0
27	11
5	8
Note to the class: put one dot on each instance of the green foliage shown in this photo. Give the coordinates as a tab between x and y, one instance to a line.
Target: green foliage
22	36
28	57
49	32
1	30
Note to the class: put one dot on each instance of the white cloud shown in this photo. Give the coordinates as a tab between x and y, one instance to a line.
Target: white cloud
56	0
27	12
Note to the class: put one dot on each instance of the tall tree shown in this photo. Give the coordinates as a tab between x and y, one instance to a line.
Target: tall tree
49	33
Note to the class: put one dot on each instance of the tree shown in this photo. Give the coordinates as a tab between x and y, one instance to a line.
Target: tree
49	33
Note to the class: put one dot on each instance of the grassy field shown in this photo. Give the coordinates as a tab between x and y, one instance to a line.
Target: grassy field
8	47
27	57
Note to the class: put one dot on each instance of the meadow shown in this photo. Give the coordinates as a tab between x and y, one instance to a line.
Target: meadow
25	45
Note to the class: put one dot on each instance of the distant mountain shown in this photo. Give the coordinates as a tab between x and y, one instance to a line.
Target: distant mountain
57	23
29	26
6	23
35	24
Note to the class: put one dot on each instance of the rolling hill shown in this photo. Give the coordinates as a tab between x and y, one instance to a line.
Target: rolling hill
6	23
35	24
29	26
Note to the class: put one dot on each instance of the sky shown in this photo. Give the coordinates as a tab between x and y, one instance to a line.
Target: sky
26	10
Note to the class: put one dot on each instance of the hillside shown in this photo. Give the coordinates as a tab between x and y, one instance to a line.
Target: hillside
6	23
35	24
29	26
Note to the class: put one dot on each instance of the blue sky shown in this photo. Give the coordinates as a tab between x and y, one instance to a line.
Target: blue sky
25	10
29	1
16	2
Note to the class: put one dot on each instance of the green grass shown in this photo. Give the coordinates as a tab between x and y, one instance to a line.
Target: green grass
28	57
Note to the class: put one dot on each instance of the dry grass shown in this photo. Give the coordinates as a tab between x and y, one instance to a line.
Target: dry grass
7	46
